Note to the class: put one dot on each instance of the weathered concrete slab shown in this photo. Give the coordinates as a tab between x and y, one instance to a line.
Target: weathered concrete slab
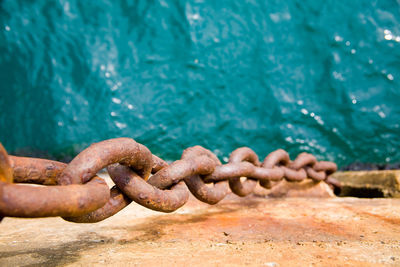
238	231
364	183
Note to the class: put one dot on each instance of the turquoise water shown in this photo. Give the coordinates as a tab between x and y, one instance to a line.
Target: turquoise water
317	76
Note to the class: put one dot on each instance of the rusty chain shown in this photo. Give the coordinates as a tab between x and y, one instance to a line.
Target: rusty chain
74	191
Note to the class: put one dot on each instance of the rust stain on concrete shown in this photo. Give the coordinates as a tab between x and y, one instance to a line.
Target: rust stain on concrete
238	231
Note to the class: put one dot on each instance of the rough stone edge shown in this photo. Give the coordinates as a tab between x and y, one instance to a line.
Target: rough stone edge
386	181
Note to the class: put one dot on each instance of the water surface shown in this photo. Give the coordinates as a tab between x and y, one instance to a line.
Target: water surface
316	76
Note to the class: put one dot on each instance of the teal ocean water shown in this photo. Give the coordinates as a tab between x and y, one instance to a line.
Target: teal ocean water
309	75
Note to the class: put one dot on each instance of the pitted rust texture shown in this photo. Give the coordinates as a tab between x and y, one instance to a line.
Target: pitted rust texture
195	160
6	173
19	200
146	194
6	170
115	203
195	182
36	171
100	155
74	192
246	187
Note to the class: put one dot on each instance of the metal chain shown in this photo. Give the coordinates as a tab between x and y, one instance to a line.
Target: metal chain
74	192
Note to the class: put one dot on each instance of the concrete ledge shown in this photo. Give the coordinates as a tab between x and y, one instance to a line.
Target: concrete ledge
246	231
373	183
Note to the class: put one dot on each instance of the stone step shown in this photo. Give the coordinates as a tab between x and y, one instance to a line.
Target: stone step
384	183
247	231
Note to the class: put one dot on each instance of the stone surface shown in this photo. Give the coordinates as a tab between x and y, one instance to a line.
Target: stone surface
237	231
373	183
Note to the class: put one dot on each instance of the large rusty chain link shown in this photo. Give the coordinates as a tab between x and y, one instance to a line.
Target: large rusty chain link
32	187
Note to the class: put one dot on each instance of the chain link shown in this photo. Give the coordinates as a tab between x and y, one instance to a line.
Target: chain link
74	192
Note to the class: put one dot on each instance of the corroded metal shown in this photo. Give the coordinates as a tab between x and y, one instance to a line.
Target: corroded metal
36	171
195	160
6	173
6	170
74	192
145	194
100	155
209	194
19	200
246	187
116	202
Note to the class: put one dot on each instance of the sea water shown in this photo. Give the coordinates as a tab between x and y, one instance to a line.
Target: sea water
309	75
